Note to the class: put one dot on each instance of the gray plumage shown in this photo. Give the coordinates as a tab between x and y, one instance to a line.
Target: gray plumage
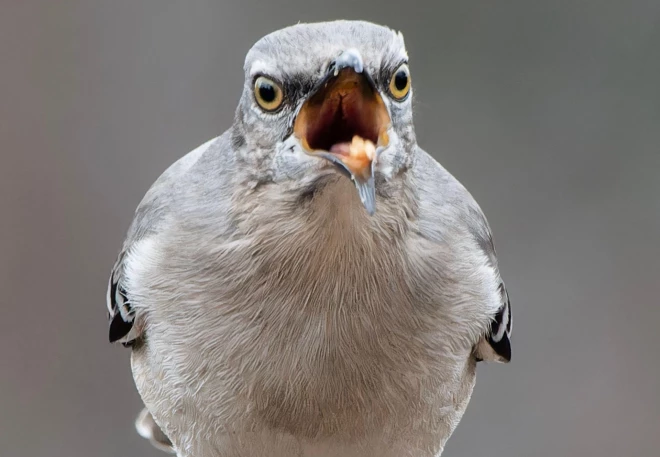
269	314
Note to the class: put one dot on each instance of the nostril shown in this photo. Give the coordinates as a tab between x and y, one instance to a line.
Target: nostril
350	58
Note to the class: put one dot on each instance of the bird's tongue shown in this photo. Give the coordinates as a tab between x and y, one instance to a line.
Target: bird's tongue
356	155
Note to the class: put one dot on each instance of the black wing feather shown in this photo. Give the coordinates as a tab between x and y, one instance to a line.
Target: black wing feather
119	328
121	314
499	336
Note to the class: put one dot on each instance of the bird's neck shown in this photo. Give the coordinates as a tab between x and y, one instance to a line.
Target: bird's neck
335	204
328	209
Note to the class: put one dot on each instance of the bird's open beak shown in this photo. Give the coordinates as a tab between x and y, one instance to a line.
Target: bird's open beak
345	121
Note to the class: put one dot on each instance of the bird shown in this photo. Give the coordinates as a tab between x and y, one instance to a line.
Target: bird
310	282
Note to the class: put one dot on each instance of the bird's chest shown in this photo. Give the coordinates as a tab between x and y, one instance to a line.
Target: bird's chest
327	342
312	336
312	339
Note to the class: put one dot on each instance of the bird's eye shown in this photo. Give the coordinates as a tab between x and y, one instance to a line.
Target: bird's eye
400	83
268	93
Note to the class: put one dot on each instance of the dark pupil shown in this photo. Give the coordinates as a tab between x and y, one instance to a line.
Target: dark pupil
267	92
401	80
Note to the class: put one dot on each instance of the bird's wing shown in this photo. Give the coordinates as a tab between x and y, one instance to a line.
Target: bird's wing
154	209
496	345
120	311
451	211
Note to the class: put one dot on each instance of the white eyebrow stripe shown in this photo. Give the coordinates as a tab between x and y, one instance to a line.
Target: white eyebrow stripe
260	67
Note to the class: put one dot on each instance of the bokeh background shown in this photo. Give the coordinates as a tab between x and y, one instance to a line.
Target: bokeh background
549	112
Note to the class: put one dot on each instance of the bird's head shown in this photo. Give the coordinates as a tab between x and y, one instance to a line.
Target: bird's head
327	98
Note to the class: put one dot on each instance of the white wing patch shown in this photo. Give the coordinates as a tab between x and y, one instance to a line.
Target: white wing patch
140	259
123	283
496	345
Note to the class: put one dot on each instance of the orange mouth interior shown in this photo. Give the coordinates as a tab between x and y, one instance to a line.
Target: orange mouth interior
345	108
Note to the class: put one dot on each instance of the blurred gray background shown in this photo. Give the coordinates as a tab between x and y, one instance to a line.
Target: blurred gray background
549	112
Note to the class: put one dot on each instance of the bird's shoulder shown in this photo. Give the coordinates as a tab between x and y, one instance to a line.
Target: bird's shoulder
446	207
449	217
182	189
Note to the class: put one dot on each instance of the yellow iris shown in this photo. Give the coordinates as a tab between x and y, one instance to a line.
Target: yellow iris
400	82
268	93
